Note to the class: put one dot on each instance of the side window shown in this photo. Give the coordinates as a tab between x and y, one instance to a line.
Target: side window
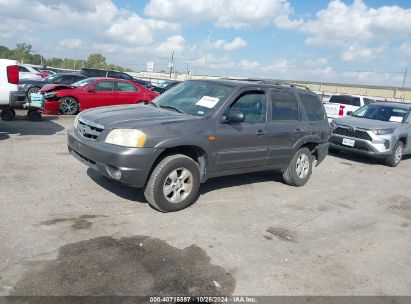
66	79
313	107
285	106
367	101
104	86
253	105
125	87
355	101
22	69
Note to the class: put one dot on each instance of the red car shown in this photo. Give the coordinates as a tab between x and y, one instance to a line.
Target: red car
92	93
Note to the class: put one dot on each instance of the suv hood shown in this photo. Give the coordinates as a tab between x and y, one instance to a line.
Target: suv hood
132	116
364	123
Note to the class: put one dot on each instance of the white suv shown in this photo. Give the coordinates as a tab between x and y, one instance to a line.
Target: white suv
9	79
28	72
340	105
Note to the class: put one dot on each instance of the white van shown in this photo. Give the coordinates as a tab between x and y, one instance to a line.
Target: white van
9	80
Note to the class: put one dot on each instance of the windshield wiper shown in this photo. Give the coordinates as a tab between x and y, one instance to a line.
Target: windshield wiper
172	108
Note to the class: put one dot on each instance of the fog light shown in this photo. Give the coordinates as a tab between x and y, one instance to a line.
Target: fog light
113	172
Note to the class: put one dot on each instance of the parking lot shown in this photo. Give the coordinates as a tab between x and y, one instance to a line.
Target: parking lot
66	230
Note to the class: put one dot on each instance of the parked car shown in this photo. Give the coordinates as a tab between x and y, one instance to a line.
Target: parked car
29	86
105	73
147	84
166	85
91	93
203	129
340	105
28	72
380	130
9	79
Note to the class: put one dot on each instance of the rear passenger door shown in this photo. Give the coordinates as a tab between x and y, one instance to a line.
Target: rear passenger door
126	93
285	129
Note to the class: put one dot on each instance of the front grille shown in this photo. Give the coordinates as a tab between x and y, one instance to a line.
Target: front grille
353	133
88	130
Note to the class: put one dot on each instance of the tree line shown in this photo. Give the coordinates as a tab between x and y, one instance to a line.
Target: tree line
24	53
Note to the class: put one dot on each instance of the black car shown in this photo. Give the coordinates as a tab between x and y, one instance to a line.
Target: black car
147	84
26	86
202	129
166	85
105	73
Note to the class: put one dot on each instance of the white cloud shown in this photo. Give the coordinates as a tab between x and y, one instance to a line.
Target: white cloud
72	44
406	48
316	62
356	52
239	14
173	43
237	43
138	31
340	23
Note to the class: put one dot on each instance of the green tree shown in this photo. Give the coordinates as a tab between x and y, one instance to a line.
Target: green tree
96	61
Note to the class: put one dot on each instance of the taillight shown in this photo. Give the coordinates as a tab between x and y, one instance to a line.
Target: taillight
341	111
13	74
43	75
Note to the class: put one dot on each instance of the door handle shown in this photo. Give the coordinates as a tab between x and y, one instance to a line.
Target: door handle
260	133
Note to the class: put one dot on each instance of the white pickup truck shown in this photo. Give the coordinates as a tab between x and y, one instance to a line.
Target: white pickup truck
9	80
340	105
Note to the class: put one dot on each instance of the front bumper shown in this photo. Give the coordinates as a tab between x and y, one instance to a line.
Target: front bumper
378	147
51	107
321	152
130	166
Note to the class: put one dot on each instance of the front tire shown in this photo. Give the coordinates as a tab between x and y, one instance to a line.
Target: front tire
395	158
299	169
174	183
69	106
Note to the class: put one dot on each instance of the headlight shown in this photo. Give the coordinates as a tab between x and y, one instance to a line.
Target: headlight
76	121
127	138
383	131
49	95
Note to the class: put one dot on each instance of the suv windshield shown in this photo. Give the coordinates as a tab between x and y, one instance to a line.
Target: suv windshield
195	97
83	82
382	112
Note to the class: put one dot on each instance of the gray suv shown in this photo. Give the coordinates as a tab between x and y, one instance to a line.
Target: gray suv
202	129
381	130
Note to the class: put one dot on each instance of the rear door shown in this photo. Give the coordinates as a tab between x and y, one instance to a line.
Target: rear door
101	96
126	93
241	145
286	128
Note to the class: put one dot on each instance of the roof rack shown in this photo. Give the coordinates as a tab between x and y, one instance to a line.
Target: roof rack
268	81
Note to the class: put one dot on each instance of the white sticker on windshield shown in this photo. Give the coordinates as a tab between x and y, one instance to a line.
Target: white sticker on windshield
396	118
208	102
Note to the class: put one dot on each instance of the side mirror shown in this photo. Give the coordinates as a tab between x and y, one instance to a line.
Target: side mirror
235	116
349	113
91	89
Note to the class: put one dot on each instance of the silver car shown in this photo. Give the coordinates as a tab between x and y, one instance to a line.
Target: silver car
381	130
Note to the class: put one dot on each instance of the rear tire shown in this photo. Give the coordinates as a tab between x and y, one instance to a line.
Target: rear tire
8	114
299	169
174	183
32	90
395	158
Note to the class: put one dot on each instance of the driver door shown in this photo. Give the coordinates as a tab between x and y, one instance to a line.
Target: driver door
241	145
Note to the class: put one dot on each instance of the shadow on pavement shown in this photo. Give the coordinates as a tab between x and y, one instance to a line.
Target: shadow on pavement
240	180
363	159
22	126
119	189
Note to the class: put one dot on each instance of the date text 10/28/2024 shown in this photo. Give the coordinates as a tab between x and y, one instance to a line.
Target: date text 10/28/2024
203	299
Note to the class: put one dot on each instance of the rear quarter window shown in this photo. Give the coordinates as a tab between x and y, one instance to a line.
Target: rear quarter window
313	107
346	100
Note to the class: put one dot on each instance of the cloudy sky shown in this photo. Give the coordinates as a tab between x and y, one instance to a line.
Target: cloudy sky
361	41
